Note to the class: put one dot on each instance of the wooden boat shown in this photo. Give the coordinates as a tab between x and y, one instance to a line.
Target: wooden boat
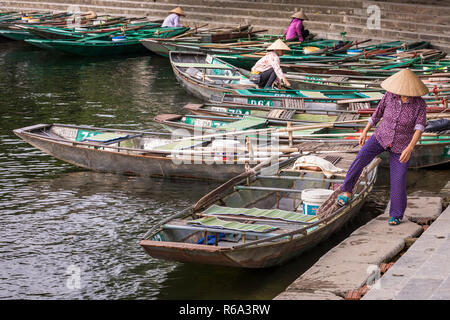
209	78
287	114
326	53
335	82
55	33
141	153
343	130
162	47
92	47
256	221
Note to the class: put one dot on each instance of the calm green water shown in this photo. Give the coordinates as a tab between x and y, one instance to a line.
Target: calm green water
55	216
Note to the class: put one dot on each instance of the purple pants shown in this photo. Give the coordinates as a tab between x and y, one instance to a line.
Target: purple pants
397	175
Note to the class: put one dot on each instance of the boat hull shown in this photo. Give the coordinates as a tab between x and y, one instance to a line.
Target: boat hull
90	49
17	35
258	256
197	89
425	156
132	164
157	47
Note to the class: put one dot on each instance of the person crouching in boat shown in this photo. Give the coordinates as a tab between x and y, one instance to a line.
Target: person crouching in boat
404	119
267	70
173	19
296	30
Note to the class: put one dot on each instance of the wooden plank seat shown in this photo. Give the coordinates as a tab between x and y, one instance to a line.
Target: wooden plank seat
107	138
247	122
179	224
181	145
275	214
201	65
215	222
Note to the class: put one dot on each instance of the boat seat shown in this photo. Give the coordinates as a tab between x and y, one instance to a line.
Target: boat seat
200	65
261	213
181	145
231	225
373	95
312	94
281	114
247	122
222	226
107	138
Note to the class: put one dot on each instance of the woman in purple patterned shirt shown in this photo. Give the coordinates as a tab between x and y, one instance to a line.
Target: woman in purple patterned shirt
404	119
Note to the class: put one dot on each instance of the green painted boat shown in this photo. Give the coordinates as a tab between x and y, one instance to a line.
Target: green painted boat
92	47
209	78
17	35
432	149
298	54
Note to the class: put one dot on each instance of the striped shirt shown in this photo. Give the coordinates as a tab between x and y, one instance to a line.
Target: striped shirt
400	120
270	60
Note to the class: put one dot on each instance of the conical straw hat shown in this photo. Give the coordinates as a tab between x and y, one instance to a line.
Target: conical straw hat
278	45
405	83
178	11
300	15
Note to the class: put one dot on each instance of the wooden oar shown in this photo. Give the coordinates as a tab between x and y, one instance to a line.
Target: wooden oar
193	31
272	130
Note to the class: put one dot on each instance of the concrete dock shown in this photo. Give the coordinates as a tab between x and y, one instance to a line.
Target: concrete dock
351	268
423	272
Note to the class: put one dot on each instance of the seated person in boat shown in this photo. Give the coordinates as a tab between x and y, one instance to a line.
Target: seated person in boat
173	19
404	119
267	70
296	30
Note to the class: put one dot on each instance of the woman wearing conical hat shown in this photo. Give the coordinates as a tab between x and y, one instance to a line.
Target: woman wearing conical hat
173	19
267	70
404	119
296	30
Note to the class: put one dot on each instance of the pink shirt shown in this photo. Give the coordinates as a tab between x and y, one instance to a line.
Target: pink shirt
294	30
400	120
270	60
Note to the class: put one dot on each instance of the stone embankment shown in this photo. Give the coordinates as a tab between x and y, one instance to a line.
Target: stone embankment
399	20
351	268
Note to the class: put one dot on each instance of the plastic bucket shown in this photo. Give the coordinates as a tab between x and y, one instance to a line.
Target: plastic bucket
313	199
119	38
354	51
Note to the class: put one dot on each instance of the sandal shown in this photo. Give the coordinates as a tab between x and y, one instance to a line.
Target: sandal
394	221
344	199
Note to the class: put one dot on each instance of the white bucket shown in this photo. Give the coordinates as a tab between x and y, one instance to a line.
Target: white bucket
313	199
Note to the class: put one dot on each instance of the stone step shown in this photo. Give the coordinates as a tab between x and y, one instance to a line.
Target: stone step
316	12
331	24
333	20
348	265
422	272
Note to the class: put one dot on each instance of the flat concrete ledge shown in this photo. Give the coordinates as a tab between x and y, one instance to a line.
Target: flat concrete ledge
348	265
423	272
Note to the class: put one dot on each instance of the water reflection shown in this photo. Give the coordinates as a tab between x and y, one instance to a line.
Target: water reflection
55	215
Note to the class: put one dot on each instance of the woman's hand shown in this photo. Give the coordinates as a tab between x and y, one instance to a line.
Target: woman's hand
362	138
286	82
406	154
